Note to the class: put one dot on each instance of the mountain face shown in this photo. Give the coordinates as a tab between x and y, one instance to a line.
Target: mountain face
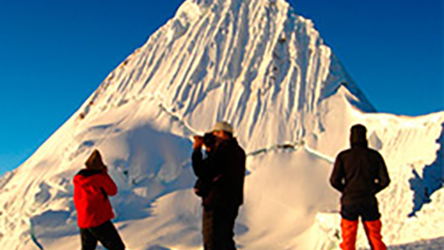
266	70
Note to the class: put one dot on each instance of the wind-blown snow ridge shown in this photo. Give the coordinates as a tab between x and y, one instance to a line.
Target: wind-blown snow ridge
257	53
266	70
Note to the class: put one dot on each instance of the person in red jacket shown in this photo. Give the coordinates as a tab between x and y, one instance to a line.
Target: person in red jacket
92	186
359	174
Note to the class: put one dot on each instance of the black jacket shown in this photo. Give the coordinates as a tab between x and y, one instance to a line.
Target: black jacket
225	169
359	173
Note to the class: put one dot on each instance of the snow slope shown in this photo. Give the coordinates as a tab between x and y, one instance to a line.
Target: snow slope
260	66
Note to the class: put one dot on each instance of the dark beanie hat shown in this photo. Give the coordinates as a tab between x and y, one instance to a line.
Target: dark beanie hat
94	161
358	135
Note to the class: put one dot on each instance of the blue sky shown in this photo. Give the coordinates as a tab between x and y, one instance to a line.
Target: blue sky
54	54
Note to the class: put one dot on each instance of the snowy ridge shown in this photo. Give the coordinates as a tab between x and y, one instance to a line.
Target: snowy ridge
257	53
265	69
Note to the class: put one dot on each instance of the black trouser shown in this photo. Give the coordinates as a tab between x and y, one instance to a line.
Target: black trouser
367	211
105	233
218	228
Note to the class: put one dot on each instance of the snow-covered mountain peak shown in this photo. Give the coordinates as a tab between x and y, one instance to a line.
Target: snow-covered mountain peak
258	65
249	57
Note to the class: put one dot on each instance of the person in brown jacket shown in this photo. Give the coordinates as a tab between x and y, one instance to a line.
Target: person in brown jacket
360	173
223	171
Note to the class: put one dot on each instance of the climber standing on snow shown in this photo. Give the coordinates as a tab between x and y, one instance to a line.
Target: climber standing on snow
359	174
92	186
221	184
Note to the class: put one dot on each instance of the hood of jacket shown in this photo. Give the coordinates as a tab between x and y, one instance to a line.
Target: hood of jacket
82	178
358	136
95	161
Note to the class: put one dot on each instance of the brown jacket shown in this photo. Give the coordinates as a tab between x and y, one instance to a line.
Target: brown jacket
225	169
360	172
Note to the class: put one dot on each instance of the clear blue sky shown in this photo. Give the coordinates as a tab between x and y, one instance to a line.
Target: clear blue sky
54	54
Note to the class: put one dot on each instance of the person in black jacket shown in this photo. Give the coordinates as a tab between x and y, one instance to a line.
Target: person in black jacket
359	174
220	184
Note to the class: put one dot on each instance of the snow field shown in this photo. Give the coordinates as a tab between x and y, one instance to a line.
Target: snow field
263	68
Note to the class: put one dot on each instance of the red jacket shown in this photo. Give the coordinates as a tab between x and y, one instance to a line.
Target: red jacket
91	191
